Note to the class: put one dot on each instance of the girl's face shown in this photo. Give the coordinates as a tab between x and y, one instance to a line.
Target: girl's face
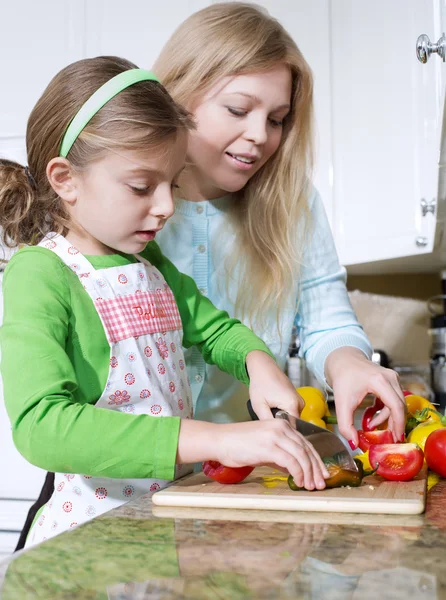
123	199
239	127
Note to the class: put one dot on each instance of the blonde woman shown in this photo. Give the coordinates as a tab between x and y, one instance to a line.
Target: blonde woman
249	226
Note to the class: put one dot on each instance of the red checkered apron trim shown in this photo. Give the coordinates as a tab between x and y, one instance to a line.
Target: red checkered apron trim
138	314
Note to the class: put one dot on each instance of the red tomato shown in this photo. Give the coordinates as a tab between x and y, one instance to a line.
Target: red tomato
435	451
222	474
397	462
367	438
407	393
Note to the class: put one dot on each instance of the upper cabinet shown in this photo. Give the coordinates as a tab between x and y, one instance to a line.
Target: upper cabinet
387	110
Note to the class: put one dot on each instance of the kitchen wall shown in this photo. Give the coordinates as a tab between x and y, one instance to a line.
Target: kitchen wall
393	311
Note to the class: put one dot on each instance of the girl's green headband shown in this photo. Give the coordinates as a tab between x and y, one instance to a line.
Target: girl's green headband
101	96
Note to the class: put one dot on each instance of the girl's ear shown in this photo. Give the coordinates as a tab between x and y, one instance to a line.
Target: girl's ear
62	179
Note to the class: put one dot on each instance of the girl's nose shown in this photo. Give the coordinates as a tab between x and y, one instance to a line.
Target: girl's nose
163	205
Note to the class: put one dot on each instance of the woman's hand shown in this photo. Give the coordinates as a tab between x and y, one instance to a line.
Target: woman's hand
270	388
352	376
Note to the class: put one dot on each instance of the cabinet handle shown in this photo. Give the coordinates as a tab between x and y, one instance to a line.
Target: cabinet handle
425	48
421	242
428	207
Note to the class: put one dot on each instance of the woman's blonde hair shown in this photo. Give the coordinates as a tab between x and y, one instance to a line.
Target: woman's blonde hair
141	117
271	212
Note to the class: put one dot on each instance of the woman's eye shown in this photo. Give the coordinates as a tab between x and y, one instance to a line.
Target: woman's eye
175	186
276	123
236	111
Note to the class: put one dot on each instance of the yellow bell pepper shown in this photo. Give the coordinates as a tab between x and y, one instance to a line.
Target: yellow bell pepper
418	403
316	409
421	432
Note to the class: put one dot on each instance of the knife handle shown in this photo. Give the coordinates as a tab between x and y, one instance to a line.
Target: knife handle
253	415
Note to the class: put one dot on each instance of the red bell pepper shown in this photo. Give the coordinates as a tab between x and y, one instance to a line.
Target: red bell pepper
369	413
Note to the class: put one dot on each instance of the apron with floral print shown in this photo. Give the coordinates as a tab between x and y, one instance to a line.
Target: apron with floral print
147	375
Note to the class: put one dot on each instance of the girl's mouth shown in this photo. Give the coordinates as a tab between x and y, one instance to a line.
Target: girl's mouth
147	235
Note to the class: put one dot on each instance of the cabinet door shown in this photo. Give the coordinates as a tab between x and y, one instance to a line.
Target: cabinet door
136	31
386	125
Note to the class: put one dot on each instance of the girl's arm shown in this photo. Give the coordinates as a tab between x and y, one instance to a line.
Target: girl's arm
53	427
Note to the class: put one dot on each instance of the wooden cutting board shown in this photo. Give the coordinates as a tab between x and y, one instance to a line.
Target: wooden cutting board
266	489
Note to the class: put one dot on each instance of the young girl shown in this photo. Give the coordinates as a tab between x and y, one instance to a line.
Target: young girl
95	316
249	226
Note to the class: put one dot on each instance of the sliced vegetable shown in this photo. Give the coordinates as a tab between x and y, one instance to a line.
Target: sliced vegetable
365	459
222	474
338	475
435	451
369	413
316	408
367	438
396	462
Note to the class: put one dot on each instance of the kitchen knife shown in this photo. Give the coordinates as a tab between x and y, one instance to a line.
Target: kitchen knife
325	442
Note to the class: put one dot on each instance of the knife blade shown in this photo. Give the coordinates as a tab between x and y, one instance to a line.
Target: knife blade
326	443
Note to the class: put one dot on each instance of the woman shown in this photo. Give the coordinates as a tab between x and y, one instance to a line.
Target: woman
249	226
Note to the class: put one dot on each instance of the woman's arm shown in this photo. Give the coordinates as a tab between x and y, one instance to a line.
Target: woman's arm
325	319
333	343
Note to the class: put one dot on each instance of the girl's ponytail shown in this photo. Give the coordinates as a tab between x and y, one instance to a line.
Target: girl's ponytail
18	215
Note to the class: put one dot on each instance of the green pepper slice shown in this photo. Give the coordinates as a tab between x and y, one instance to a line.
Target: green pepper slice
338	476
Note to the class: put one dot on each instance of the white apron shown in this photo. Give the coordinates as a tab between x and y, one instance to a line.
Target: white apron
147	375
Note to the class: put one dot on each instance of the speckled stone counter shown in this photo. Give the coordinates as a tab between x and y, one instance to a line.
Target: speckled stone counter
140	552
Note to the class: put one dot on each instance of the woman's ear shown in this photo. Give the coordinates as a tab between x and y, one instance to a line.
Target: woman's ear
62	179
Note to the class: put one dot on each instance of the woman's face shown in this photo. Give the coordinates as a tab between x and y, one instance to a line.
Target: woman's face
239	127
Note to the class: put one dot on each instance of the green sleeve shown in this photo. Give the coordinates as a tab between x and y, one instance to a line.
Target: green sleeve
52	426
221	340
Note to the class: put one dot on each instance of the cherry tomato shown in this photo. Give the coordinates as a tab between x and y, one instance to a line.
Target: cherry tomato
435	451
396	462
222	474
407	393
367	438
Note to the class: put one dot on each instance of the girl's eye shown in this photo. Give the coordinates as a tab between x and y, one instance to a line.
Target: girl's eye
276	123
236	112
139	191
175	186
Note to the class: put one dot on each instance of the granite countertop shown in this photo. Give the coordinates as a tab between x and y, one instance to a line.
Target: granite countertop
140	551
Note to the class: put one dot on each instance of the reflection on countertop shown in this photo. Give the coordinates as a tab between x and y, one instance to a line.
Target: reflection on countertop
140	552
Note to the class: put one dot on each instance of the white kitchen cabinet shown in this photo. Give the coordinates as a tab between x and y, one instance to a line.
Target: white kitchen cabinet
387	111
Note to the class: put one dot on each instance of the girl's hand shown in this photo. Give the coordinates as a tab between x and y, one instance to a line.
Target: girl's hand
352	376
270	388
271	442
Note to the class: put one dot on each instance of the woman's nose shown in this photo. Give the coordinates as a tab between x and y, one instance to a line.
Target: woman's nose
256	130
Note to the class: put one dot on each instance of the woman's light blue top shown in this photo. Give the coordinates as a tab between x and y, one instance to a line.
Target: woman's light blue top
198	238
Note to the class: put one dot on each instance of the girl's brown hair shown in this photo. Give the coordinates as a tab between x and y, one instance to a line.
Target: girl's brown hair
270	214
141	117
